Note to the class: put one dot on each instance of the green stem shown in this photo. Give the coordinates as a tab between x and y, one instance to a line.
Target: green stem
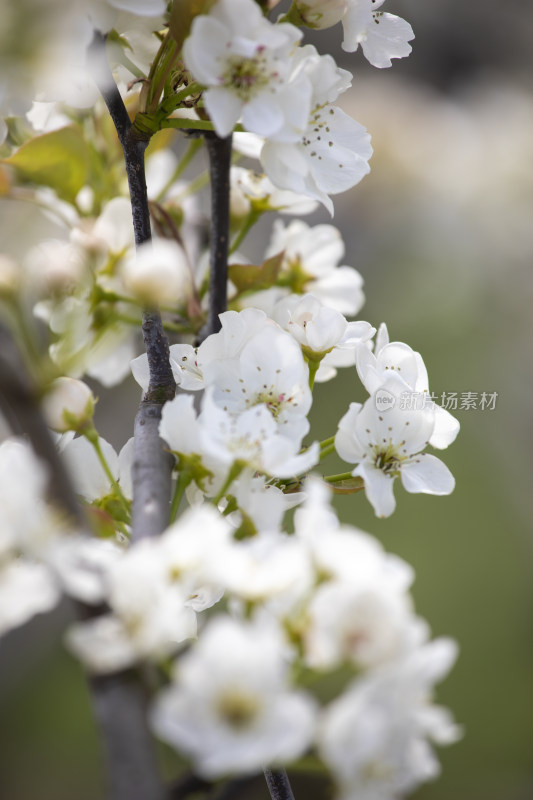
184	162
234	472
251	218
327	442
313	369
92	436
327	451
342	476
184	479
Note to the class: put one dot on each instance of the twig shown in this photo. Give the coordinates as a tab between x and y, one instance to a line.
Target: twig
219	152
152	465
19	402
278	784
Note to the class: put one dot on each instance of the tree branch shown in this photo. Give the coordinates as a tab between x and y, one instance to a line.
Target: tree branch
152	465
278	784
219	152
19	402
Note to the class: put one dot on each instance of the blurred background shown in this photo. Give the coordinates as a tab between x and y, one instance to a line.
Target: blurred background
442	232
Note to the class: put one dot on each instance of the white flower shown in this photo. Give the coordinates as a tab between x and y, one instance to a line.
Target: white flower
27	523
87	473
158	273
26	589
250	437
375	736
367	623
265	567
244	61
382	36
270	370
230	707
333	153
373	369
317	328
263	503
68	405
387	442
149	617
310	258
192	549
252	190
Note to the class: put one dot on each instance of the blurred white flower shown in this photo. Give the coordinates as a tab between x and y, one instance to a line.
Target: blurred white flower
231	707
376	736
157	273
68	405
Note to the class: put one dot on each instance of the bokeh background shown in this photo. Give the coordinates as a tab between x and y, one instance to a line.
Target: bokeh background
442	232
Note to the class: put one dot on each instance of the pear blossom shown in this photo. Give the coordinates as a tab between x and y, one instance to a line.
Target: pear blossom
322	332
26	588
310	265
386	442
376	735
382	36
332	154
365	623
250	437
374	367
244	61
230	706
149	616
87	473
158	273
254	190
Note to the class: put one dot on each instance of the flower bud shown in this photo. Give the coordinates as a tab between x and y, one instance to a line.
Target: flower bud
55	268
158	274
318	13
69	405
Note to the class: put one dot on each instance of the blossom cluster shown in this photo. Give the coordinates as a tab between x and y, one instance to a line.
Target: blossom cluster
255	598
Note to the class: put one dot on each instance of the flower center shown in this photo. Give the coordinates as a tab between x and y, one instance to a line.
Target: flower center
246	76
238	709
388	460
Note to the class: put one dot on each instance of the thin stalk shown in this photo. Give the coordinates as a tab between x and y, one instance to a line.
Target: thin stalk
341	476
184	479
251	218
105	466
185	160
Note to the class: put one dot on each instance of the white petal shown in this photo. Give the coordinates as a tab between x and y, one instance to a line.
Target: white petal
427	474
224	108
446	428
378	489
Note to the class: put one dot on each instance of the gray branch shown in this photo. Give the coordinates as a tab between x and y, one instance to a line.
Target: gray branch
219	152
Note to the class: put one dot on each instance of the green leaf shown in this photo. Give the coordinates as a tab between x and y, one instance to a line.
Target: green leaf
60	159
250	277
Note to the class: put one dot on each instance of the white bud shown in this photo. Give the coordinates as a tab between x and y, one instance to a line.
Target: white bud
68	405
158	274
55	267
321	13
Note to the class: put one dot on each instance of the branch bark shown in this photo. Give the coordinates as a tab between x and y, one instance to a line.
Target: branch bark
278	784
219	153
